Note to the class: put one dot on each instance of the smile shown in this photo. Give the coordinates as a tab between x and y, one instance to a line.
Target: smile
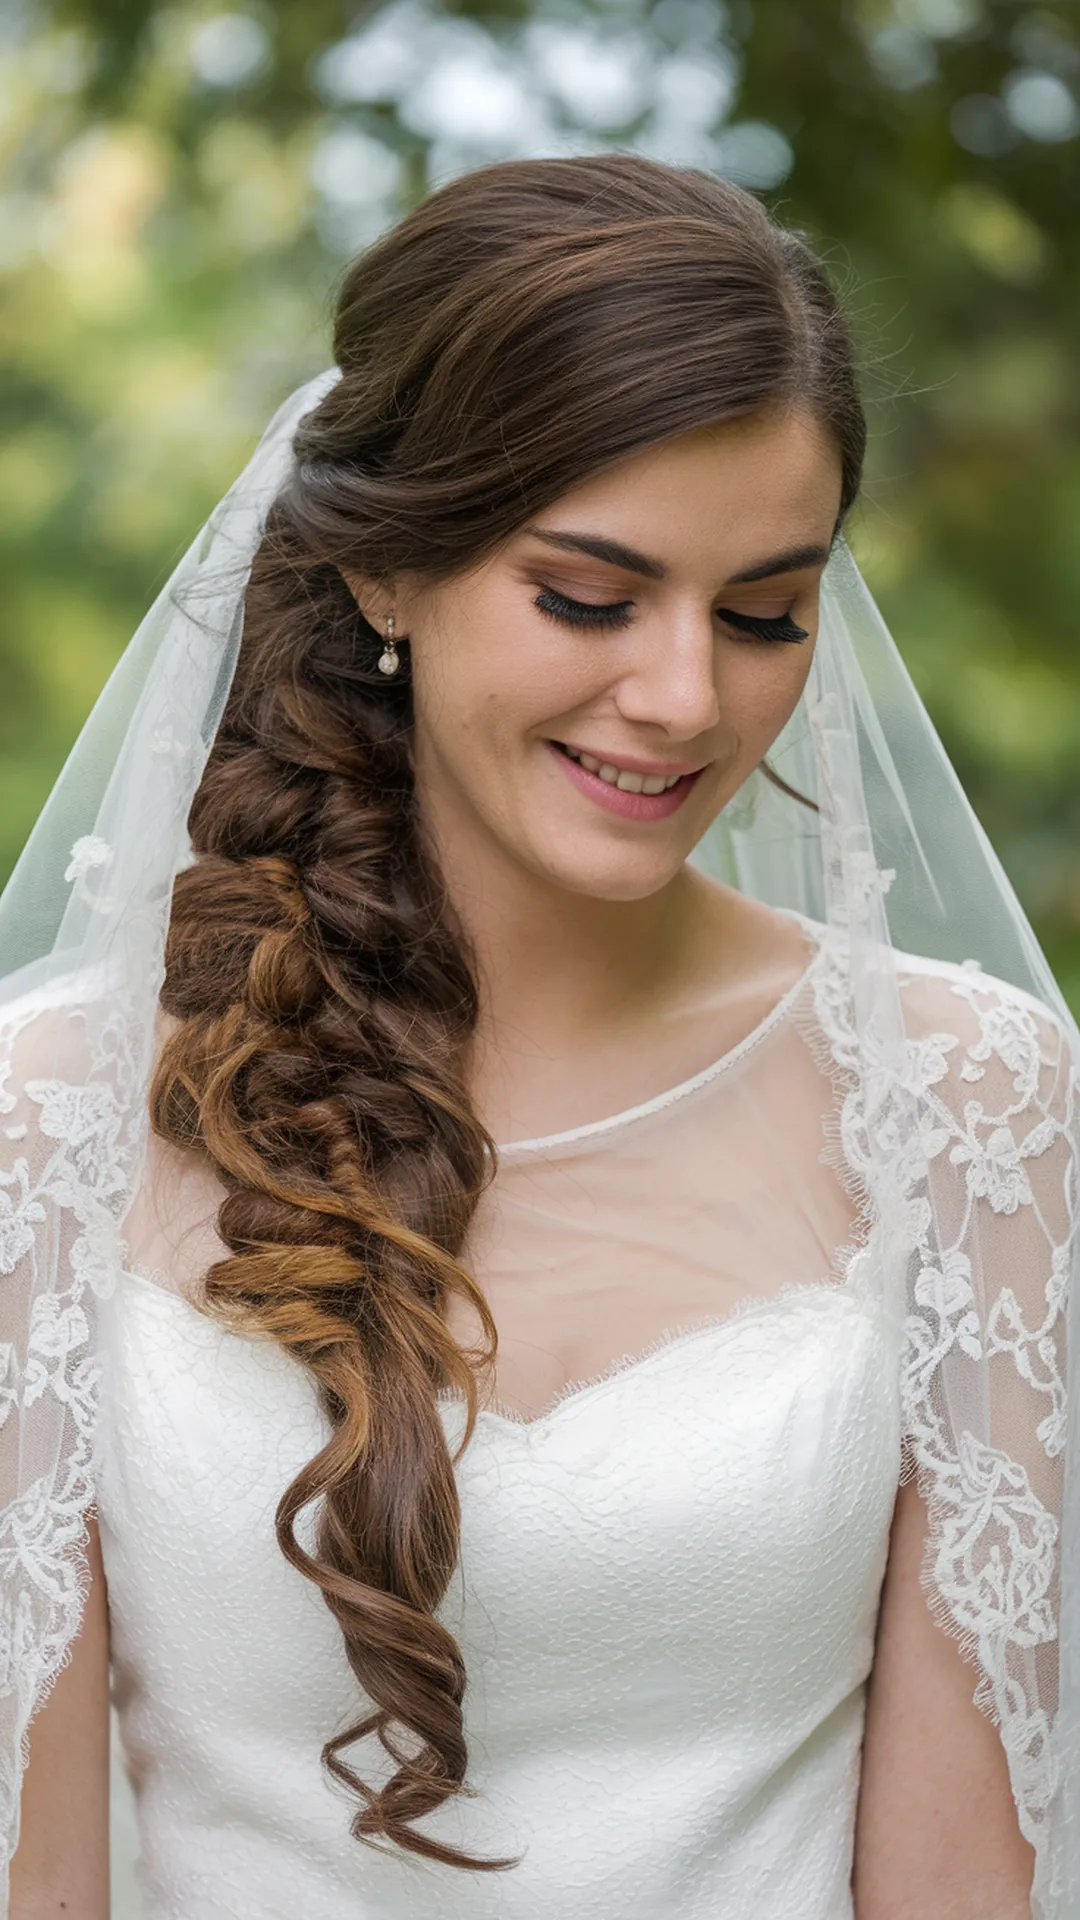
637	793
623	777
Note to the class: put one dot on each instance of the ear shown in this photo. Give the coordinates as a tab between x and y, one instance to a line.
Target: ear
375	599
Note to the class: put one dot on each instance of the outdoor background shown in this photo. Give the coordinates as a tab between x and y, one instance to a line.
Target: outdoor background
182	185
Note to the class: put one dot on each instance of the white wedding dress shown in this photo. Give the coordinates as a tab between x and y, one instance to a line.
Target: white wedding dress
669	1579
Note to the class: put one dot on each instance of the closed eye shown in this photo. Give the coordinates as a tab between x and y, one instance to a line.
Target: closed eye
583	613
617	613
783	628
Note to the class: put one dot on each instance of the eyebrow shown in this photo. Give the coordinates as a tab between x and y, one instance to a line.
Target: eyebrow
614	554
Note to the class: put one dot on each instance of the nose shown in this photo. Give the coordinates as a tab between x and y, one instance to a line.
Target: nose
670	680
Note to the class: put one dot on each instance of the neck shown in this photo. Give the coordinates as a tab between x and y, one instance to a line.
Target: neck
561	974
565	962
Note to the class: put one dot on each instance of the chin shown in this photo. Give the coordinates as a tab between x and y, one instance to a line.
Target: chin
632	878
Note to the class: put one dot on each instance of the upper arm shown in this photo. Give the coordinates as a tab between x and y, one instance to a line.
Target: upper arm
959	1752
937	1830
61	1864
61	1175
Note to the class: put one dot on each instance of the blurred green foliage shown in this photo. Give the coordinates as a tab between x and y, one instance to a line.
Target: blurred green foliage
182	185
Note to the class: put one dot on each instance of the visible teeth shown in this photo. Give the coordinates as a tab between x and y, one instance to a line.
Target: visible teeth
627	782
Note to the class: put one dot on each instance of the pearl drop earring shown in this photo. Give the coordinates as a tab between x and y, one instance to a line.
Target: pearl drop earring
389	661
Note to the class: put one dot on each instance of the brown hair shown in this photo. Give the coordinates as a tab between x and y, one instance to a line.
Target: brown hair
523	327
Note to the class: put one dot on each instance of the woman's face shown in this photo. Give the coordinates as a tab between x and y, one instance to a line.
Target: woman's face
557	688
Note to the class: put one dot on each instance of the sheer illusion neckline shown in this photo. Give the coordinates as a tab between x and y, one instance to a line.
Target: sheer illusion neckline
511	1150
752	1310
716	1326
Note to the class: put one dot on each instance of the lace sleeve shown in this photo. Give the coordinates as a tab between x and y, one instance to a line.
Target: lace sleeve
63	1185
983	1379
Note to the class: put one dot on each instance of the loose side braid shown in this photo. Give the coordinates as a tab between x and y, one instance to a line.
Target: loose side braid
325	1005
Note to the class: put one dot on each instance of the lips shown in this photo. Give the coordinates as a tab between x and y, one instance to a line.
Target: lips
612	798
617	774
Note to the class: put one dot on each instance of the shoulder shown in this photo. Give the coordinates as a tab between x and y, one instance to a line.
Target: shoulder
990	1066
932	987
53	998
993	1071
61	1030
983	1029
957	1001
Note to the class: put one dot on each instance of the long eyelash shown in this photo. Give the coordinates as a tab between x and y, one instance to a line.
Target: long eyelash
616	613
583	613
762	629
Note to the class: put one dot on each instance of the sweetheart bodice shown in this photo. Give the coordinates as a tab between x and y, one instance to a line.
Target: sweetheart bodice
666	1599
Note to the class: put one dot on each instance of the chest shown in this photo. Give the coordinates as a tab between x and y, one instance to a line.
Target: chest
596	1251
720	1506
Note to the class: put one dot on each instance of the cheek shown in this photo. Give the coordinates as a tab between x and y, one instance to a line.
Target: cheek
491	672
483	681
760	695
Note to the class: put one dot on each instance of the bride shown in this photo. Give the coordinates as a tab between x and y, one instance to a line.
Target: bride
538	1145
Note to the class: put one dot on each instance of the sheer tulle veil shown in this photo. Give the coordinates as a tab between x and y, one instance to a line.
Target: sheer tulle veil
961	1128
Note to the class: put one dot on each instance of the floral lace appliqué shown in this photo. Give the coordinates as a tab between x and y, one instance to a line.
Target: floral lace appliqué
987	1206
68	1163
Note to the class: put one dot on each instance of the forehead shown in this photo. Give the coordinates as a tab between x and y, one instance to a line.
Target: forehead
725	494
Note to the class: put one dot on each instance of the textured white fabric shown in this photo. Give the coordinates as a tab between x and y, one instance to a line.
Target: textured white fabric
669	1578
666	1603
